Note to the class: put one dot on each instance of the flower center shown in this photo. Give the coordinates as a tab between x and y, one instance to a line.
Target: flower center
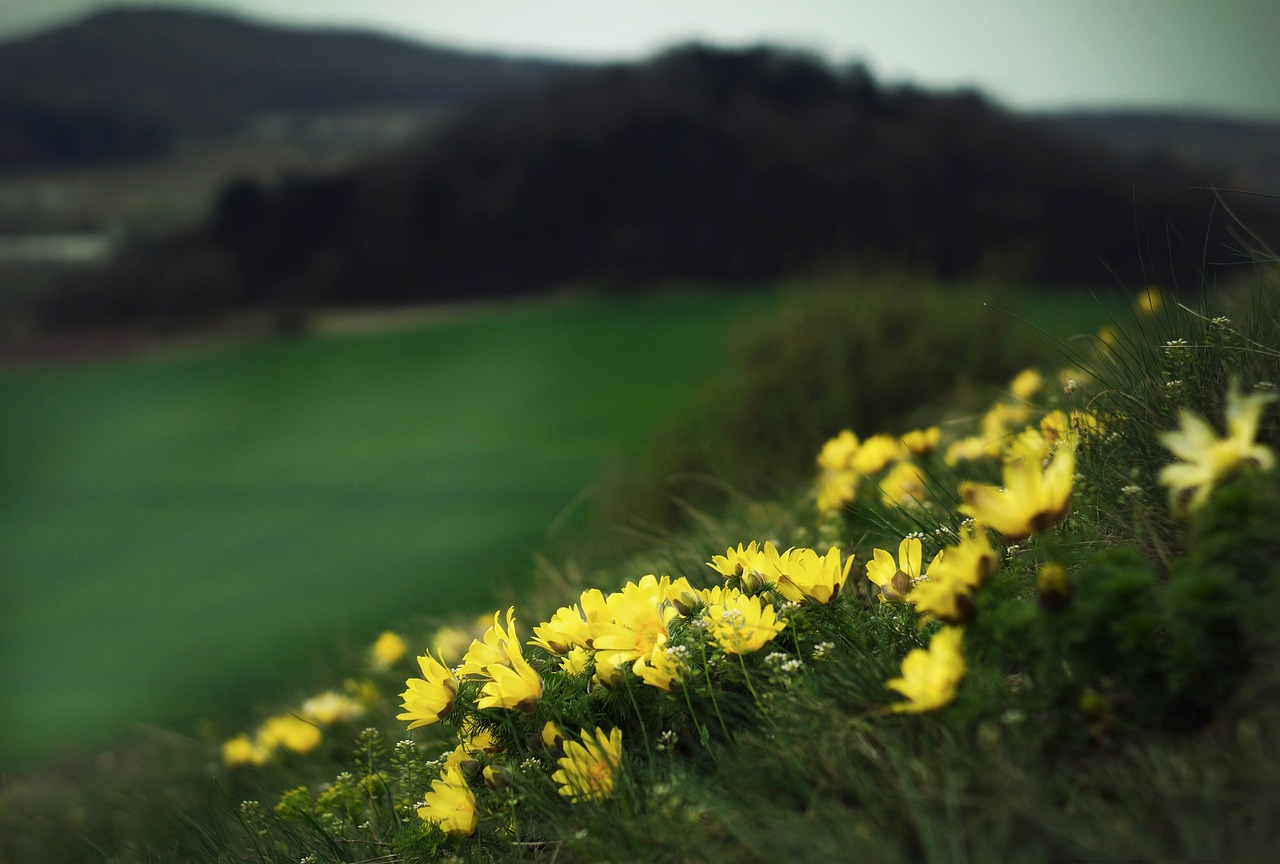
648	634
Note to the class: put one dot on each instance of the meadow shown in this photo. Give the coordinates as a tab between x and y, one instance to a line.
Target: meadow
181	535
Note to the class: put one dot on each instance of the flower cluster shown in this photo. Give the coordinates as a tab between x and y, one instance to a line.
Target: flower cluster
1037	461
299	732
656	632
846	461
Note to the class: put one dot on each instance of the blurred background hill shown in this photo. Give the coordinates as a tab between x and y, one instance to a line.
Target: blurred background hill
166	169
128	83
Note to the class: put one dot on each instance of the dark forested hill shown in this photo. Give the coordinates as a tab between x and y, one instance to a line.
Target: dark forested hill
1245	152
123	82
701	163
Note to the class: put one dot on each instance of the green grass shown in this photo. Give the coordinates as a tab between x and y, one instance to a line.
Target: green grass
182	536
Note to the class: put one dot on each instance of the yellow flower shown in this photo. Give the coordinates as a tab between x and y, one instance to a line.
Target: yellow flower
735	562
1030	443
1208	459
497	777
552	738
837	454
1053	585
1025	384
608	674
755	566
1000	419
718	595
943	596
836	489
242	751
491	648
589	769
639	614
965	450
808	574
930	678
972	560
664	667
1057	426
1033	498
462	758
594	610
566	629
673	590
429	698
475	738
922	442
876	452
742	623
330	707
838	479
1149	302
1085	424
450	804
945	593
577	661
1054	425
895	578
517	687
290	732
388	648
904	486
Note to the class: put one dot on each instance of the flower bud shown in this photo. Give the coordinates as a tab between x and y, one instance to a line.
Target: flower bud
687	602
898	586
1053	586
553	739
496	777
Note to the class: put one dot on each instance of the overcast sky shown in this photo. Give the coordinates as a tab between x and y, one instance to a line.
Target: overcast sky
1215	55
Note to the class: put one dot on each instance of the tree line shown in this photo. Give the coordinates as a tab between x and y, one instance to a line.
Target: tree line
702	163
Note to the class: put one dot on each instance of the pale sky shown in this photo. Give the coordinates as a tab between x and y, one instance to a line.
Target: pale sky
1221	56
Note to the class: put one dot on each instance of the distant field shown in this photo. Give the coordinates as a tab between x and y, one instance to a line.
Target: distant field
177	536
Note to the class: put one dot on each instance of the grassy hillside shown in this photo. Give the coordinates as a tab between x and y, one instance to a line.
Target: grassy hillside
180	535
1080	667
1076	663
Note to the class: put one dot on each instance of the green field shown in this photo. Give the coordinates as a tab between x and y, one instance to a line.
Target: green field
182	536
